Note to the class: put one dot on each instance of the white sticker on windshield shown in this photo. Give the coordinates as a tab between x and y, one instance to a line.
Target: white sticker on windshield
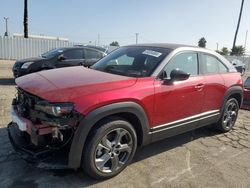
60	51
152	53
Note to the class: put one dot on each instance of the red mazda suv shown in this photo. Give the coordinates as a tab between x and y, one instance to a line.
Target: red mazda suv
96	117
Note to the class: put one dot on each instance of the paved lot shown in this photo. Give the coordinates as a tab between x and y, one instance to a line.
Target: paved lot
200	158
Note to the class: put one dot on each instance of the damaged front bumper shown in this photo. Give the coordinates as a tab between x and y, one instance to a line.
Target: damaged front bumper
30	142
46	158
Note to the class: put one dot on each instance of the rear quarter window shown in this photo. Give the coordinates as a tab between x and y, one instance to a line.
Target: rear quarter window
212	65
92	54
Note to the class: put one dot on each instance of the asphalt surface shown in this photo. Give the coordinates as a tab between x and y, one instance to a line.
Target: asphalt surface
201	158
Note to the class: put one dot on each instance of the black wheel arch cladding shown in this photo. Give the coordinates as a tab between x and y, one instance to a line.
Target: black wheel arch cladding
87	123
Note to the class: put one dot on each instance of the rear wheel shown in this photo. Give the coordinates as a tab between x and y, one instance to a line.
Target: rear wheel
229	115
110	149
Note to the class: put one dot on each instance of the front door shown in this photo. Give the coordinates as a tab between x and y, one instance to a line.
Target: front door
179	102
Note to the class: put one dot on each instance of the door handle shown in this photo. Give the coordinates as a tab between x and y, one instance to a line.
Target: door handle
199	86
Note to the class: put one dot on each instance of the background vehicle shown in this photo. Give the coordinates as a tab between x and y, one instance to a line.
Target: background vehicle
246	101
134	96
239	65
57	58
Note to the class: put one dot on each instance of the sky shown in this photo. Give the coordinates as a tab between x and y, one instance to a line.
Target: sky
165	21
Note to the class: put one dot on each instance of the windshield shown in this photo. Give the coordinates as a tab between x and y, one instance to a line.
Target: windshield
52	53
135	61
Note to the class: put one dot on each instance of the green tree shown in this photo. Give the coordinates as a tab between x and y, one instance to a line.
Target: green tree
238	51
114	43
202	42
223	51
25	19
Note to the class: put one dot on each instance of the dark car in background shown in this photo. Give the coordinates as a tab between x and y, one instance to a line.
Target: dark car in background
246	101
238	64
57	58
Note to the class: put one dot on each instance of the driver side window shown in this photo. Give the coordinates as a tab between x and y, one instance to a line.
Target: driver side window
73	54
187	61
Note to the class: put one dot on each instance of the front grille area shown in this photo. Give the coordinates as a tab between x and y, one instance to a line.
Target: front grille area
45	130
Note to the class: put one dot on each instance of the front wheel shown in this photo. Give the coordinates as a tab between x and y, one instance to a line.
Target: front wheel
110	149
229	116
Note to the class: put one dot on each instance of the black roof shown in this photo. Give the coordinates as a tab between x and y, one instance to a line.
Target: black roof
78	47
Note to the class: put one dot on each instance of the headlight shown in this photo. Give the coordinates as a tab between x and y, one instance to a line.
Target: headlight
26	65
55	109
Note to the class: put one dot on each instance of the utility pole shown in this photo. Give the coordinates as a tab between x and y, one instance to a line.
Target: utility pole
238	24
245	45
25	19
6	34
98	40
217	46
136	38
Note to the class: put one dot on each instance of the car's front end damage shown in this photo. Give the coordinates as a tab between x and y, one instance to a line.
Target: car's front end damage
40	131
52	115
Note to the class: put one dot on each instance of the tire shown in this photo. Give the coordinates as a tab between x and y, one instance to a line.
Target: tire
110	149
229	116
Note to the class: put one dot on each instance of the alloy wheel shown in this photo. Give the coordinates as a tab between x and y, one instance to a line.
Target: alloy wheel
230	115
113	150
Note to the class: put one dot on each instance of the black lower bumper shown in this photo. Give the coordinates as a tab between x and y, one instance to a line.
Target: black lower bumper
45	157
19	72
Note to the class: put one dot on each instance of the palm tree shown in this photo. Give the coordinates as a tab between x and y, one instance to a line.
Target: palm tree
25	19
223	51
238	25
114	43
238	51
202	42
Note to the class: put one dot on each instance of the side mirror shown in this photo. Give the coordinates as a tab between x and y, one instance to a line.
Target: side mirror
178	75
61	57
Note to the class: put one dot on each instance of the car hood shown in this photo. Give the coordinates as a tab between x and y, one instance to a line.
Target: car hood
67	84
20	62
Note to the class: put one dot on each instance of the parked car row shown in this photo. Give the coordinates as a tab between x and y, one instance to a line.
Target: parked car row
135	95
238	64
57	58
246	101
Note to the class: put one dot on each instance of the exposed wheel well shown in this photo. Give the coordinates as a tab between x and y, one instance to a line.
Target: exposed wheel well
130	117
238	97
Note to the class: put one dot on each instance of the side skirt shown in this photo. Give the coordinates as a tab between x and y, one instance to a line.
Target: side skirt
178	127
